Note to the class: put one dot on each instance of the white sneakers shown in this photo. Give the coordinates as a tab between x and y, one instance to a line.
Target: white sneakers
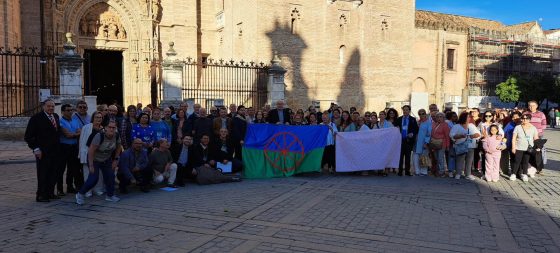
471	177
524	177
458	176
112	198
450	174
80	199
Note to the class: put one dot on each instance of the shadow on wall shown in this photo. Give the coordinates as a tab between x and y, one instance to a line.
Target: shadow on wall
290	47
351	89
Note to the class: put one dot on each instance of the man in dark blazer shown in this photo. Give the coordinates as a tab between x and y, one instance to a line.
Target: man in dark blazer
280	115
42	136
184	157
408	127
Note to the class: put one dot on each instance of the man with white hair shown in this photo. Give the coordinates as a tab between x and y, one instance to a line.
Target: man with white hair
279	115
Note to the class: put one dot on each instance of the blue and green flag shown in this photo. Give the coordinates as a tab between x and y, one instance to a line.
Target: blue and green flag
280	151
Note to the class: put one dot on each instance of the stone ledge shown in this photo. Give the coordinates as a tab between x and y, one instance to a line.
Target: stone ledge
13	129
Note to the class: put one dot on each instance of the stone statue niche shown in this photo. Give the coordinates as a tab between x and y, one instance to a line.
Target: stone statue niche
102	22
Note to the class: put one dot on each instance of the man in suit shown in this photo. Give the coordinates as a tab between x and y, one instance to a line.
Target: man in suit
42	136
280	115
184	158
409	129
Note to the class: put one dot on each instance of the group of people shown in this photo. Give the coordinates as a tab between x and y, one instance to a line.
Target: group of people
147	146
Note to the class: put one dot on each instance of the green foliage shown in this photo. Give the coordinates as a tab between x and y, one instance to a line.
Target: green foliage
508	91
526	88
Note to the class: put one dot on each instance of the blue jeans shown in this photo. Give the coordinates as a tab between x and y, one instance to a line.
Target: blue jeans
108	177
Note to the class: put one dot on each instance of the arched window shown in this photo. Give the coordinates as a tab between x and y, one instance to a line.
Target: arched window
341	54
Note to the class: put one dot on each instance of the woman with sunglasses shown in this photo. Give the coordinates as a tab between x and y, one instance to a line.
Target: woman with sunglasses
421	146
488	120
524	136
86	136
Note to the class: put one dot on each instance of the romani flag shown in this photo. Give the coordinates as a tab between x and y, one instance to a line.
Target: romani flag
280	151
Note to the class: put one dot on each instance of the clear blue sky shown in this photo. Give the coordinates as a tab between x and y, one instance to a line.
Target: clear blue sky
547	12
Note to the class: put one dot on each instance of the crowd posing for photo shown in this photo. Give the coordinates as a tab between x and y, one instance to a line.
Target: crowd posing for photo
151	146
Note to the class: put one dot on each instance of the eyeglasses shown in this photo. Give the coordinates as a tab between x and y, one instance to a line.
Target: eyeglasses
524	118
69	110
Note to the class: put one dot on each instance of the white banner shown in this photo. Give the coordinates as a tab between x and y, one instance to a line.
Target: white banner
376	149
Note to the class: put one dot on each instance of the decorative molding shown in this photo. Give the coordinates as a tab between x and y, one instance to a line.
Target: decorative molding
102	22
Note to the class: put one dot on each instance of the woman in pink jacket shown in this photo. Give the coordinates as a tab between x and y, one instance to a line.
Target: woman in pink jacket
493	147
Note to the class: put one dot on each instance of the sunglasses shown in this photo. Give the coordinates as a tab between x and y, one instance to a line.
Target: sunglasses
524	118
488	116
421	114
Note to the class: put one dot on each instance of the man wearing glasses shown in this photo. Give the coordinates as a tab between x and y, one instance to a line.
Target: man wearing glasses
81	113
70	129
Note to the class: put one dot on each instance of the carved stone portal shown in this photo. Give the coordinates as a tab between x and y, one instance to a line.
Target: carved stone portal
102	22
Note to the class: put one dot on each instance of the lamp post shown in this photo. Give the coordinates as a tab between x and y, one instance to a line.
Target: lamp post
42	60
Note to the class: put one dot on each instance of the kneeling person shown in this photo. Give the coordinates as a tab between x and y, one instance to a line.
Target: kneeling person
161	163
133	167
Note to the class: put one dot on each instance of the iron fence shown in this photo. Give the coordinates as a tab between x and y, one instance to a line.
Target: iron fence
21	79
219	82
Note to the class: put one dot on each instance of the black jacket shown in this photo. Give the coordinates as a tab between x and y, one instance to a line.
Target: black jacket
220	155
40	133
239	129
273	118
412	127
199	153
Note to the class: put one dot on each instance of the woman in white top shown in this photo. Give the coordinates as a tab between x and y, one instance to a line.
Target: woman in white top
464	135
87	130
361	124
382	122
524	136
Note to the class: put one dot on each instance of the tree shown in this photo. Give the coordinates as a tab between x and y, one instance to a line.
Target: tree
508	91
538	88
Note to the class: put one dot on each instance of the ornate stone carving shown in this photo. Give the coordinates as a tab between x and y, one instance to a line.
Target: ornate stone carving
102	22
156	9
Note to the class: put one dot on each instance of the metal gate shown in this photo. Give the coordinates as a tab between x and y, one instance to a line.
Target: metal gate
23	72
222	82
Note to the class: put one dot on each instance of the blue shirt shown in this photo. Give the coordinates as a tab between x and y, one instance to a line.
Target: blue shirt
84	120
146	134
508	131
161	130
71	126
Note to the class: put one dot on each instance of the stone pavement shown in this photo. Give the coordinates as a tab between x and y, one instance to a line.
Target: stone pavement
299	214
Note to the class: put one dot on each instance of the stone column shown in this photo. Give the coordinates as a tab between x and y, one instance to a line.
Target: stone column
70	74
276	86
172	93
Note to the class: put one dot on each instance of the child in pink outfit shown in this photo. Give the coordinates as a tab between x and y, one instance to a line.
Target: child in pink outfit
493	147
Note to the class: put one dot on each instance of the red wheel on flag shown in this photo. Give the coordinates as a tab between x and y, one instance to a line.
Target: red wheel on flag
284	151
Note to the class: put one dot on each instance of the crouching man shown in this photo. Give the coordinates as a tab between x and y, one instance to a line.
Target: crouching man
133	167
161	164
204	163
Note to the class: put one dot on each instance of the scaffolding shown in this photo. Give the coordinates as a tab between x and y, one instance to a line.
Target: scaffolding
493	56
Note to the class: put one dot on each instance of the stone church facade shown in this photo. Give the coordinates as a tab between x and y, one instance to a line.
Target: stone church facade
353	52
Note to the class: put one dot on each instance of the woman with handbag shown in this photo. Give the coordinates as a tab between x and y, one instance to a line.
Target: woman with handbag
463	134
439	142
523	139
421	158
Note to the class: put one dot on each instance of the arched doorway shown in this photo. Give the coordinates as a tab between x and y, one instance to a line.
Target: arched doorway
115	38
